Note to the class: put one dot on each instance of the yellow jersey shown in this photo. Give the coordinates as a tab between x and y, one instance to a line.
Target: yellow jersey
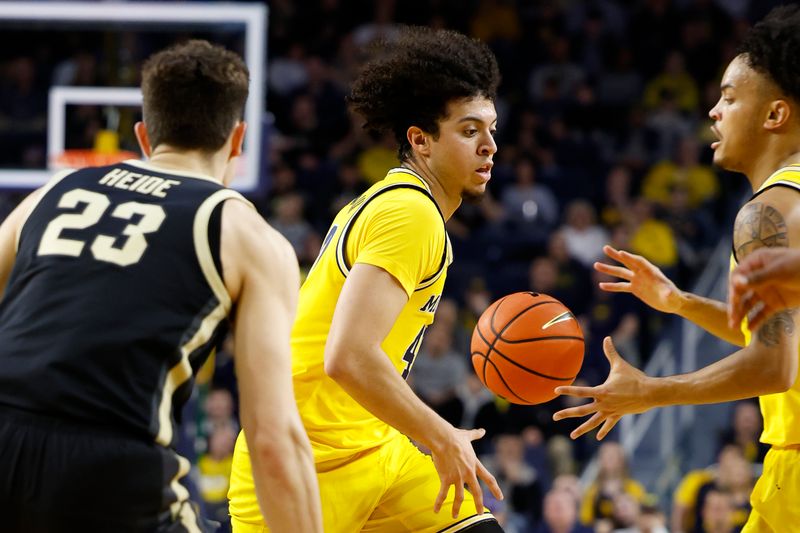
397	226
781	411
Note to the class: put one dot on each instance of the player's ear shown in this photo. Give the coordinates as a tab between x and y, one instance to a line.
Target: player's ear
237	139
418	140
141	136
778	115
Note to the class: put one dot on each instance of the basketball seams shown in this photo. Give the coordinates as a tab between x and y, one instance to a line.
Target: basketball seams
486	361
504	356
551	337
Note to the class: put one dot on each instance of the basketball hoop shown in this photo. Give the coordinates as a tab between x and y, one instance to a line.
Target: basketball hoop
89	158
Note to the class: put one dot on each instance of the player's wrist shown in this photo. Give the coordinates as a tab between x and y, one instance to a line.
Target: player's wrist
678	301
440	438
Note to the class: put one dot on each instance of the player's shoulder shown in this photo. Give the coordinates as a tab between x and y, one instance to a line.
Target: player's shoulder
403	192
245	227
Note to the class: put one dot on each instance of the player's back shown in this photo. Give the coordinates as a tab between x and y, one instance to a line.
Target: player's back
115	298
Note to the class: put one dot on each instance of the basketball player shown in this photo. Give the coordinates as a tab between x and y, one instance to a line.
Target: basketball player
117	284
372	293
757	121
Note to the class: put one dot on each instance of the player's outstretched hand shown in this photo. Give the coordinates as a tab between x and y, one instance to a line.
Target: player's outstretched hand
641	278
624	392
457	465
765	282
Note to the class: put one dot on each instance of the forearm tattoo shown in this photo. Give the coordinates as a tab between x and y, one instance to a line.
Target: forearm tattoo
770	333
758	226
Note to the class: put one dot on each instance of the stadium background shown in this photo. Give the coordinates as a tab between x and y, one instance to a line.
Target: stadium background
603	138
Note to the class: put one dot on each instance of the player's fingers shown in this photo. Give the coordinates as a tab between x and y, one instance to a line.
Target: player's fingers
490	481
579	392
758	315
611	252
587	426
628	259
613	270
575	412
608	425
440	498
758	276
617	286
477	495
459	498
736	309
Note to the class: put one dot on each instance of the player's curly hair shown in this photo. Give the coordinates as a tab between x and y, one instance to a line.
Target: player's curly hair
772	47
414	77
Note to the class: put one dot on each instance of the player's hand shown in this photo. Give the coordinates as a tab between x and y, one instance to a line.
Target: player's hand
641	278
765	282
623	393
457	465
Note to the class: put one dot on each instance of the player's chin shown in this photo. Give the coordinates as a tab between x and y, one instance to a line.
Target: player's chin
474	193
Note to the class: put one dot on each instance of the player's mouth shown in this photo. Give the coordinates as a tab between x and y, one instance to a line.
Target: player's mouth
485	171
716	143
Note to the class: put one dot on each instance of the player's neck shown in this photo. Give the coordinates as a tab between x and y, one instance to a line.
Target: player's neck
447	203
771	160
194	161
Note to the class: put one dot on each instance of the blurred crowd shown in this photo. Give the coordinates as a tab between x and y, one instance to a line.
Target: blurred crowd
603	138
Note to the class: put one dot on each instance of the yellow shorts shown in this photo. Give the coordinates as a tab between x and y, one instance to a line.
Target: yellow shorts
776	496
391	489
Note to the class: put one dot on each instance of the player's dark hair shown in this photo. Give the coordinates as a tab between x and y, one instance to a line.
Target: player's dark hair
772	47
414	77
194	93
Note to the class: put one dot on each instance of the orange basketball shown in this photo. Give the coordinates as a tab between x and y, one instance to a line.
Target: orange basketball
526	344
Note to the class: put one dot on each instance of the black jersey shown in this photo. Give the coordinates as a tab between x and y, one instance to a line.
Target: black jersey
115	299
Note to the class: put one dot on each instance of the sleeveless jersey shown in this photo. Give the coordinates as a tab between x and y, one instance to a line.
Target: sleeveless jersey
395	225
781	411
115	299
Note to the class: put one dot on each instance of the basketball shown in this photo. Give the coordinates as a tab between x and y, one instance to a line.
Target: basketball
525	345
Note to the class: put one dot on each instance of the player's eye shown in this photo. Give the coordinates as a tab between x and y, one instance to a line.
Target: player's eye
470	132
493	132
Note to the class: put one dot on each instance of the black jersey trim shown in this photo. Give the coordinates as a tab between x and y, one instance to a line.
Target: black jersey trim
341	246
466	523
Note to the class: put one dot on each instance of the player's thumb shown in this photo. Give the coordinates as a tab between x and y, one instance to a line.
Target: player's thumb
475	434
611	352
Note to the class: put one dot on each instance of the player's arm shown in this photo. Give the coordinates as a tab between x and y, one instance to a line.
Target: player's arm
9	230
368	306
261	275
765	366
645	281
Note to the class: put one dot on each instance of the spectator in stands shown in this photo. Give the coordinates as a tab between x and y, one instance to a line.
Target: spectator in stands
732	477
651	237
613	479
528	206
745	431
215	472
560	514
438	372
718	514
519	481
288	221
584	237
673	80
573	281
684	170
